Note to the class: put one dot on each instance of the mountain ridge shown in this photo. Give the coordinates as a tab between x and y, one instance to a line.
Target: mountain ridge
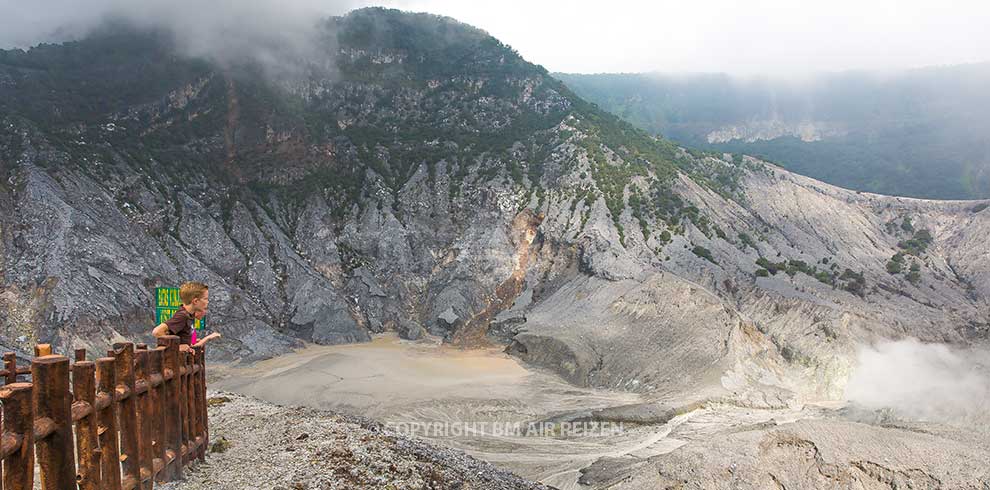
382	195
913	133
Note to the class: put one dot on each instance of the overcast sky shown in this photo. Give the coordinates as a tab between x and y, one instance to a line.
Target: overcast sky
776	37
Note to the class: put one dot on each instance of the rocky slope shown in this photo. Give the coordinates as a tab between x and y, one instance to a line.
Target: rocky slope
832	452
433	181
259	445
418	176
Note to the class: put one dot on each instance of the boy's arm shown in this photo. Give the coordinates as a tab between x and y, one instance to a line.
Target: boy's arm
204	340
161	330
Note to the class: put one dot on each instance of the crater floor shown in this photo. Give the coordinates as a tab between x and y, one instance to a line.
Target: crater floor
473	399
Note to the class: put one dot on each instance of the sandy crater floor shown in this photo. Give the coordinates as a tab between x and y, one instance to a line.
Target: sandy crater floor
477	399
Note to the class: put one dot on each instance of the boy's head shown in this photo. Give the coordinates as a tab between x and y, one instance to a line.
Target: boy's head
195	295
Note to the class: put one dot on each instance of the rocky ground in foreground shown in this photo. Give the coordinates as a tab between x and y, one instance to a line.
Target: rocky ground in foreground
848	448
255	444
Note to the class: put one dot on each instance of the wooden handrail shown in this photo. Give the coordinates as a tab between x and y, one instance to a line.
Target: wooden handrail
81	410
128	420
9	442
44	427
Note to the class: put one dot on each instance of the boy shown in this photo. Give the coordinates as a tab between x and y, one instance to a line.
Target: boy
195	298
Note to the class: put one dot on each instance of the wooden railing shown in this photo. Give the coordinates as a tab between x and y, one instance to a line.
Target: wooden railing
138	416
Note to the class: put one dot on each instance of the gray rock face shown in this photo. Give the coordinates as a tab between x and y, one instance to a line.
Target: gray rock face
661	332
628	320
766	130
639	278
818	454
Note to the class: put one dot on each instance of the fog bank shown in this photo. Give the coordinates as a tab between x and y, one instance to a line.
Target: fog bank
923	381
225	31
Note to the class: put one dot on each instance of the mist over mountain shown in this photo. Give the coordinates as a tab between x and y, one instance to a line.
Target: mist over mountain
918	133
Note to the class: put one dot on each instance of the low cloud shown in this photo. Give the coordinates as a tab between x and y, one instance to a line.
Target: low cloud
266	31
923	381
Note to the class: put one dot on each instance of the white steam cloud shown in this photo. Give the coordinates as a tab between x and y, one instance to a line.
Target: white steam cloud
266	31
923	381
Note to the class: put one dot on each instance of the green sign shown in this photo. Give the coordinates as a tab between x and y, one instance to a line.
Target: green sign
167	302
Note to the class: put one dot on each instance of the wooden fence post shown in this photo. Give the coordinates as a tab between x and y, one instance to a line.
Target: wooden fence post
130	447
10	366
157	396
203	426
18	437
107	419
153	400
194	405
187	433
191	405
180	397
173	415
143	390
87	447
52	403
